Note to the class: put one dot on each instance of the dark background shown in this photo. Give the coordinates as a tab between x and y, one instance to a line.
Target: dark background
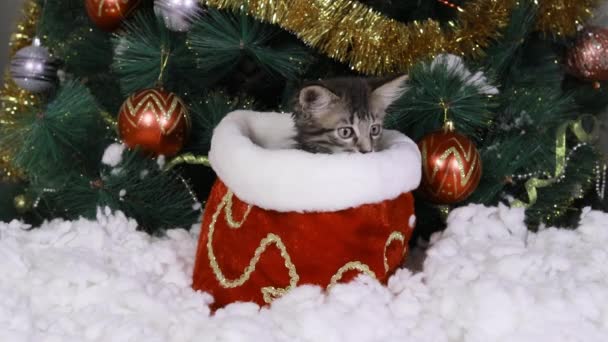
9	9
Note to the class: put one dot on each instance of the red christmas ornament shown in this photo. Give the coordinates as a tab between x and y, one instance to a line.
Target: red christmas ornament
109	14
155	120
451	166
588	58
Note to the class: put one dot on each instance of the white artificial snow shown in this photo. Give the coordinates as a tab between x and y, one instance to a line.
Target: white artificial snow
143	174
112	156
117	171
161	161
486	278
121	47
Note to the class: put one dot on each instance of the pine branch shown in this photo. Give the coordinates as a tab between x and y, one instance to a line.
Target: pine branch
221	39
555	202
522	139
157	200
55	138
147	52
72	38
207	114
500	57
420	109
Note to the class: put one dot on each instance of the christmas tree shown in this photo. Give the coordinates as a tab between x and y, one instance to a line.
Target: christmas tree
524	91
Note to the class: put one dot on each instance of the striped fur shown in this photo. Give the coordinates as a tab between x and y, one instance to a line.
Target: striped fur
343	114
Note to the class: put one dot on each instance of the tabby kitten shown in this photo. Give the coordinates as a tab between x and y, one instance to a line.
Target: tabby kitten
343	114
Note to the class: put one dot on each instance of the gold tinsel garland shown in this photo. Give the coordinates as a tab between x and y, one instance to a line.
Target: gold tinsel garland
347	31
561	17
14	100
374	44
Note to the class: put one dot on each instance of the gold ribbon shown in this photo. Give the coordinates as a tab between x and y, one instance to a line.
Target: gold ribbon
374	44
560	157
187	158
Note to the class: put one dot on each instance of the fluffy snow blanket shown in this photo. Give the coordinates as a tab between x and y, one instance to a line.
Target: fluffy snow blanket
484	279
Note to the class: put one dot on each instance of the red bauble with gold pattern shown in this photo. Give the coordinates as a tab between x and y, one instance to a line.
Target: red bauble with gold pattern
155	120
451	166
109	14
588	58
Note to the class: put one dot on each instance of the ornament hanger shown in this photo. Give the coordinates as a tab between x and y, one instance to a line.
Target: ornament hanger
164	60
448	125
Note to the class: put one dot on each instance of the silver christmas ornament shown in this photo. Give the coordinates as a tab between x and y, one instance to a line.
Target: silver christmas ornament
178	14
33	69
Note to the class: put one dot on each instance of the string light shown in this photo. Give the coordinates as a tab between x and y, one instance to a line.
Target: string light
451	5
600	179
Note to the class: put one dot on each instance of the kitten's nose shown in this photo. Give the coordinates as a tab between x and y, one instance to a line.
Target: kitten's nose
365	146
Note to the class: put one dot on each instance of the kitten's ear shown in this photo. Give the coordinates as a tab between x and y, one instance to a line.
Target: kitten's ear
315	99
387	93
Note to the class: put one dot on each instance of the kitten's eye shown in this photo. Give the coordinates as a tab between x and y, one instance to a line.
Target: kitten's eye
376	130
345	132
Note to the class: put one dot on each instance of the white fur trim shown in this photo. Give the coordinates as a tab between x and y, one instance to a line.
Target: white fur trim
252	154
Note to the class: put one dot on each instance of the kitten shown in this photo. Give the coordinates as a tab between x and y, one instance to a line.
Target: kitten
343	114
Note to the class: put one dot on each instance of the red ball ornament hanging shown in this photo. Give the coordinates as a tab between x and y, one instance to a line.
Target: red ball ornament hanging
109	14
451	166
155	120
588	58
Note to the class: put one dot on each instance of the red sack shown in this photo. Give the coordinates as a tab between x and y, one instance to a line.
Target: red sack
278	217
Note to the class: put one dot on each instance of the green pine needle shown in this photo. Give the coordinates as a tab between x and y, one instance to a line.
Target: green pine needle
524	121
157	200
146	52
220	39
207	114
555	201
53	137
501	55
419	110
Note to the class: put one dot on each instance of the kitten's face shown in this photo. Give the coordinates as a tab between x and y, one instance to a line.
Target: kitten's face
339	128
343	115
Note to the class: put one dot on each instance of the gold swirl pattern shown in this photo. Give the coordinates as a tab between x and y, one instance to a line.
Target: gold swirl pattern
350	266
270	292
395	236
228	212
